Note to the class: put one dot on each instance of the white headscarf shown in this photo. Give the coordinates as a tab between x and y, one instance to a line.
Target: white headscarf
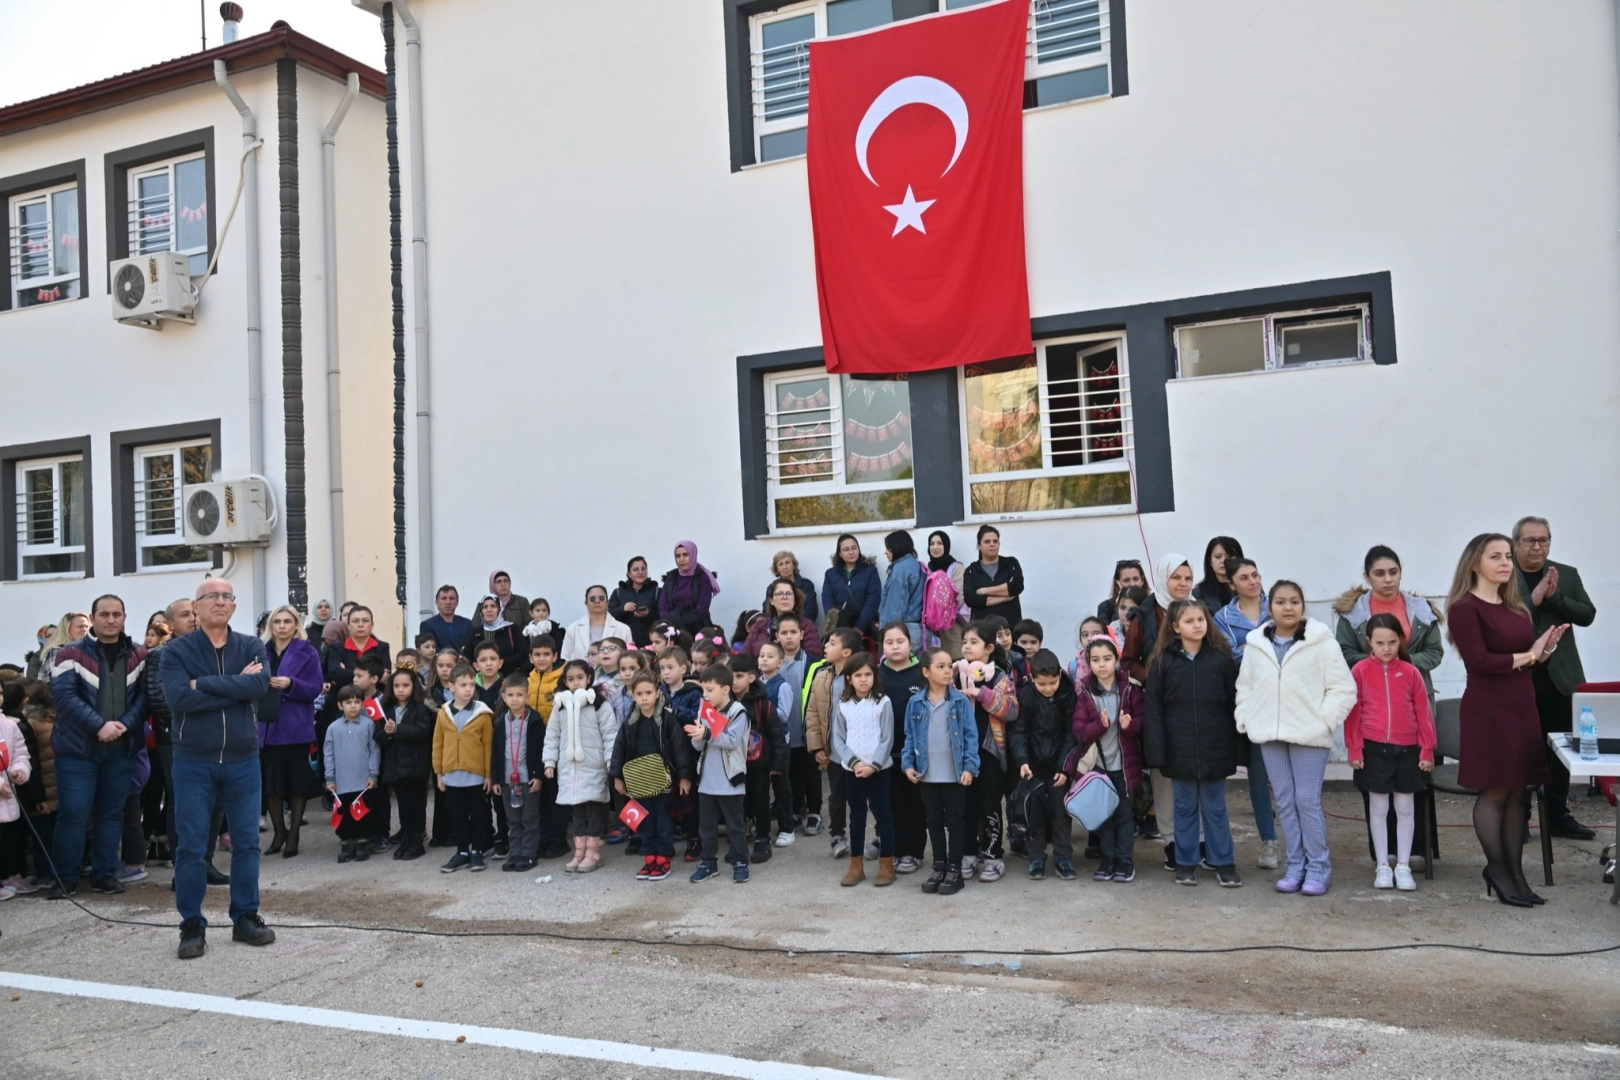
1167	565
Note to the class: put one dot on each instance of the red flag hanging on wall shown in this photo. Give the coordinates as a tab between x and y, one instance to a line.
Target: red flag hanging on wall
916	166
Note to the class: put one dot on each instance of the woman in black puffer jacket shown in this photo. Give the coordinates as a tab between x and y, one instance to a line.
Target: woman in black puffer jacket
635	601
406	737
1190	732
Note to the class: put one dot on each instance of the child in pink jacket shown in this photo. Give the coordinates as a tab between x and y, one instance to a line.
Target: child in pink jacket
1390	738
17	770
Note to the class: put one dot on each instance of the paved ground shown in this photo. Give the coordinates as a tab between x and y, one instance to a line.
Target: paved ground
1429	1012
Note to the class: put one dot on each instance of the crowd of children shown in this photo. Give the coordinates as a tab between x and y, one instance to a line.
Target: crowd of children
959	743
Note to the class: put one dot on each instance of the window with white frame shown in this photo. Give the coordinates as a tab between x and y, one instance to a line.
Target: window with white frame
50	517
1051	432
168	209
162	474
838	451
1068	55
1274	342
44	241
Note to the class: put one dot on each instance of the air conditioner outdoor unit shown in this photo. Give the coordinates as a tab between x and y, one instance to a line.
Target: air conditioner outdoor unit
147	289
228	512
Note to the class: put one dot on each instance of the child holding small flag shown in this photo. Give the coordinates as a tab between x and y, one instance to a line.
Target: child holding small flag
352	760
517	771
579	740
650	757
720	738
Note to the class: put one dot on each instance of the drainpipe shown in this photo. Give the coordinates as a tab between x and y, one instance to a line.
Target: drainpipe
419	292
255	355
334	409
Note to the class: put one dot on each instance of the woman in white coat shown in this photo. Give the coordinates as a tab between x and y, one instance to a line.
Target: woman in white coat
579	742
1293	692
591	627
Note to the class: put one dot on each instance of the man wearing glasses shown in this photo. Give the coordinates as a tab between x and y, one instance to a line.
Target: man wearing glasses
1555	595
213	679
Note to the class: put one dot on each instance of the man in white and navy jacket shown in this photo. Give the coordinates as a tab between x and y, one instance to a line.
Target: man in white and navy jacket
100	697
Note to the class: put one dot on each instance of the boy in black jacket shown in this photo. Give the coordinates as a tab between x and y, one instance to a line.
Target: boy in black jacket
768	755
1041	743
487	659
653	728
519	771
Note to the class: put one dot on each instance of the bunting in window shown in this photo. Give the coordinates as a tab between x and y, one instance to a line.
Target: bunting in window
1002	421
199	214
883	433
1104	447
47	295
786	402
155	221
986	457
860	465
70	240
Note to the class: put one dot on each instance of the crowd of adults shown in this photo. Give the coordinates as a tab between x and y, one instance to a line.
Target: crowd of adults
122	751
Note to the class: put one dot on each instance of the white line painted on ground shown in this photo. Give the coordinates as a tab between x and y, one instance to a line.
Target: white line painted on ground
437	1031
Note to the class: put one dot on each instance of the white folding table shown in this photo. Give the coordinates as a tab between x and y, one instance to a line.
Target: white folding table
1568	750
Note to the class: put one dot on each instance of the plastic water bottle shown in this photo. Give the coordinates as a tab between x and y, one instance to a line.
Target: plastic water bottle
1588	731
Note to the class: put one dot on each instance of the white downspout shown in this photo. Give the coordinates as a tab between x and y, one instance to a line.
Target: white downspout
419	291
255	354
334	410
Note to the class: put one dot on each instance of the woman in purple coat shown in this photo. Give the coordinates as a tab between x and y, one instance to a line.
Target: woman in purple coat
1502	750
287	727
688	589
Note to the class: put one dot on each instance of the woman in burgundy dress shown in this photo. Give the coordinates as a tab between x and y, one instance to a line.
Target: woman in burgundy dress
1501	736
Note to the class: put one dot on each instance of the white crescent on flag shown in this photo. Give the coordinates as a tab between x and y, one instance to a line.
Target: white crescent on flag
913	90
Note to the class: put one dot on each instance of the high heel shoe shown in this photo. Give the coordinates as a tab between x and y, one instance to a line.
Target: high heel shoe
1530	895
276	845
1510	901
290	849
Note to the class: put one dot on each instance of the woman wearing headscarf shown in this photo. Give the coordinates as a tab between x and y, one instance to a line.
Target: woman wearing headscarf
514	608
902	599
688	590
941	559
493	626
851	588
323	615
635	601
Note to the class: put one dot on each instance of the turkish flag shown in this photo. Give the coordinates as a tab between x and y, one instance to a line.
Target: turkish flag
916	166
359	808
713	719
337	811
633	815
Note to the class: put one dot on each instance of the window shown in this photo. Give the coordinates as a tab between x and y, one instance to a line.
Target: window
168	209
1068	50
1068	58
50	517
1297	339
160	477
44	242
1049	432
838	451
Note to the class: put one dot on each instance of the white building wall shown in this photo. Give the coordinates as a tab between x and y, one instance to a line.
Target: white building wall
597	268
70	370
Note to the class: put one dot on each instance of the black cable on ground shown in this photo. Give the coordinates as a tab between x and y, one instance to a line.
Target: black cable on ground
780	950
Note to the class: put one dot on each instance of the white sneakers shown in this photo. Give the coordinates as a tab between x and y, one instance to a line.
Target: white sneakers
970	867
1400	878
840	846
785	838
874	850
812	825
992	870
1271	856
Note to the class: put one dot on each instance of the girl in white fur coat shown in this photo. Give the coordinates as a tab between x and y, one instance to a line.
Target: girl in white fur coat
579	742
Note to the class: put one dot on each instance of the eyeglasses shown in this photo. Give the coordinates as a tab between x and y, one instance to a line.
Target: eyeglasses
596	599
218	597
1535	541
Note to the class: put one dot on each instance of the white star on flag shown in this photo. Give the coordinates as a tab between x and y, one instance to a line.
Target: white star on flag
908	213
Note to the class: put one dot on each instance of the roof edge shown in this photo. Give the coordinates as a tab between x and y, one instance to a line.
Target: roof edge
278	43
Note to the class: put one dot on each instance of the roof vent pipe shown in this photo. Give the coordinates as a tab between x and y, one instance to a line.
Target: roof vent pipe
232	14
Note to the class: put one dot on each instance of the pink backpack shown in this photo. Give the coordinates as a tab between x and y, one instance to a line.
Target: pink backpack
940	601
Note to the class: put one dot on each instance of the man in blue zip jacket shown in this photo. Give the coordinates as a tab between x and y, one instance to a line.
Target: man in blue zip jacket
213	679
100	698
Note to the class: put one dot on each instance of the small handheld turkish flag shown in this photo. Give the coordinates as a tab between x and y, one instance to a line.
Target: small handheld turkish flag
337	811
359	808
713	719
374	710
5	756
633	815
916	166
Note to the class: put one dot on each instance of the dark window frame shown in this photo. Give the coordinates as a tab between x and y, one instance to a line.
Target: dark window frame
37	180
10	457
116	169
123	444
1149	332
739	64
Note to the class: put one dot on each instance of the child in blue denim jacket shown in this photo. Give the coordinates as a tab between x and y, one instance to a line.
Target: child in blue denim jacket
942	756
